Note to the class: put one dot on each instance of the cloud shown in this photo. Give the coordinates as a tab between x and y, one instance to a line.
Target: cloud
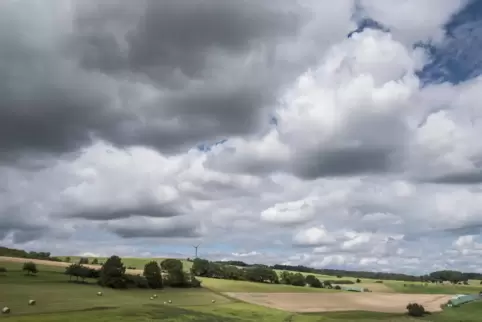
294	212
259	130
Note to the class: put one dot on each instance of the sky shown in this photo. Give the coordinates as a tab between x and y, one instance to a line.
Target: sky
332	134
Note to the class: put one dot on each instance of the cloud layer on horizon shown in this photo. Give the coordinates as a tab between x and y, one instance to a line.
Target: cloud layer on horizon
318	149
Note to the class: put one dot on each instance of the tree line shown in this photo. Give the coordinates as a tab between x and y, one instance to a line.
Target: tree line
113	274
12	252
258	273
434	277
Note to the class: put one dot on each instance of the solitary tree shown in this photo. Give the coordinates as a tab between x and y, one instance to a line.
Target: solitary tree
152	272
30	268
95	261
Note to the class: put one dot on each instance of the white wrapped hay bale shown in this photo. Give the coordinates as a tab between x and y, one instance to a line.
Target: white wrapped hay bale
99	293
6	310
152	297
169	301
213	301
31	302
155	296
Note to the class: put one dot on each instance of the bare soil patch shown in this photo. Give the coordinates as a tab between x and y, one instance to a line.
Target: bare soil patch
332	302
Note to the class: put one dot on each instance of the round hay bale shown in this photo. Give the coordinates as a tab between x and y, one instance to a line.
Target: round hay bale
6	310
165	302
155	296
170	301
214	301
99	293
31	302
152	297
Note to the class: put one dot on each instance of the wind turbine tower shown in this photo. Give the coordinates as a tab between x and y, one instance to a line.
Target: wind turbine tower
195	250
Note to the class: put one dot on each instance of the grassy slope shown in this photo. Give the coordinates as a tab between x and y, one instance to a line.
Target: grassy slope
220	285
62	301
419	288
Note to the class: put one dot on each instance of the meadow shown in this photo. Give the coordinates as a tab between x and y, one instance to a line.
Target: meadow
59	300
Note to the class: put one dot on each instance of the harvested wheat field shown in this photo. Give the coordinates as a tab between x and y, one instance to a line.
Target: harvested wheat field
56	264
326	302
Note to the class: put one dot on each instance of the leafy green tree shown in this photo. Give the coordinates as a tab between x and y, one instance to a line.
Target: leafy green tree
67	259
200	267
313	281
95	261
30	268
298	280
171	264
261	274
152	273
112	273
285	277
82	272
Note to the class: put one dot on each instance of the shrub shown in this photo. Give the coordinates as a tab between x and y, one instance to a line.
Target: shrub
3	270
171	264
95	261
136	281
67	259
378	281
30	268
358	280
416	310
341	282
337	287
177	278
83	260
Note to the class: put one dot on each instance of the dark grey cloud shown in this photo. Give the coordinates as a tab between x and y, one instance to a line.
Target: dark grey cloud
461	178
344	162
146	210
182	228
125	73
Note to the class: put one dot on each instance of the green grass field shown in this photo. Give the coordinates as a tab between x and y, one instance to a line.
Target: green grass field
58	300
419	288
220	285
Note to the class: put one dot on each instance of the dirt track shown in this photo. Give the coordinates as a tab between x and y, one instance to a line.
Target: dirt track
324	302
56	264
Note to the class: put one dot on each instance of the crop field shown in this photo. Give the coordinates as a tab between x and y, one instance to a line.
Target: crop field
235	301
138	263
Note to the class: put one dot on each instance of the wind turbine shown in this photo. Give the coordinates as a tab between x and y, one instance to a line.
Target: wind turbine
195	248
